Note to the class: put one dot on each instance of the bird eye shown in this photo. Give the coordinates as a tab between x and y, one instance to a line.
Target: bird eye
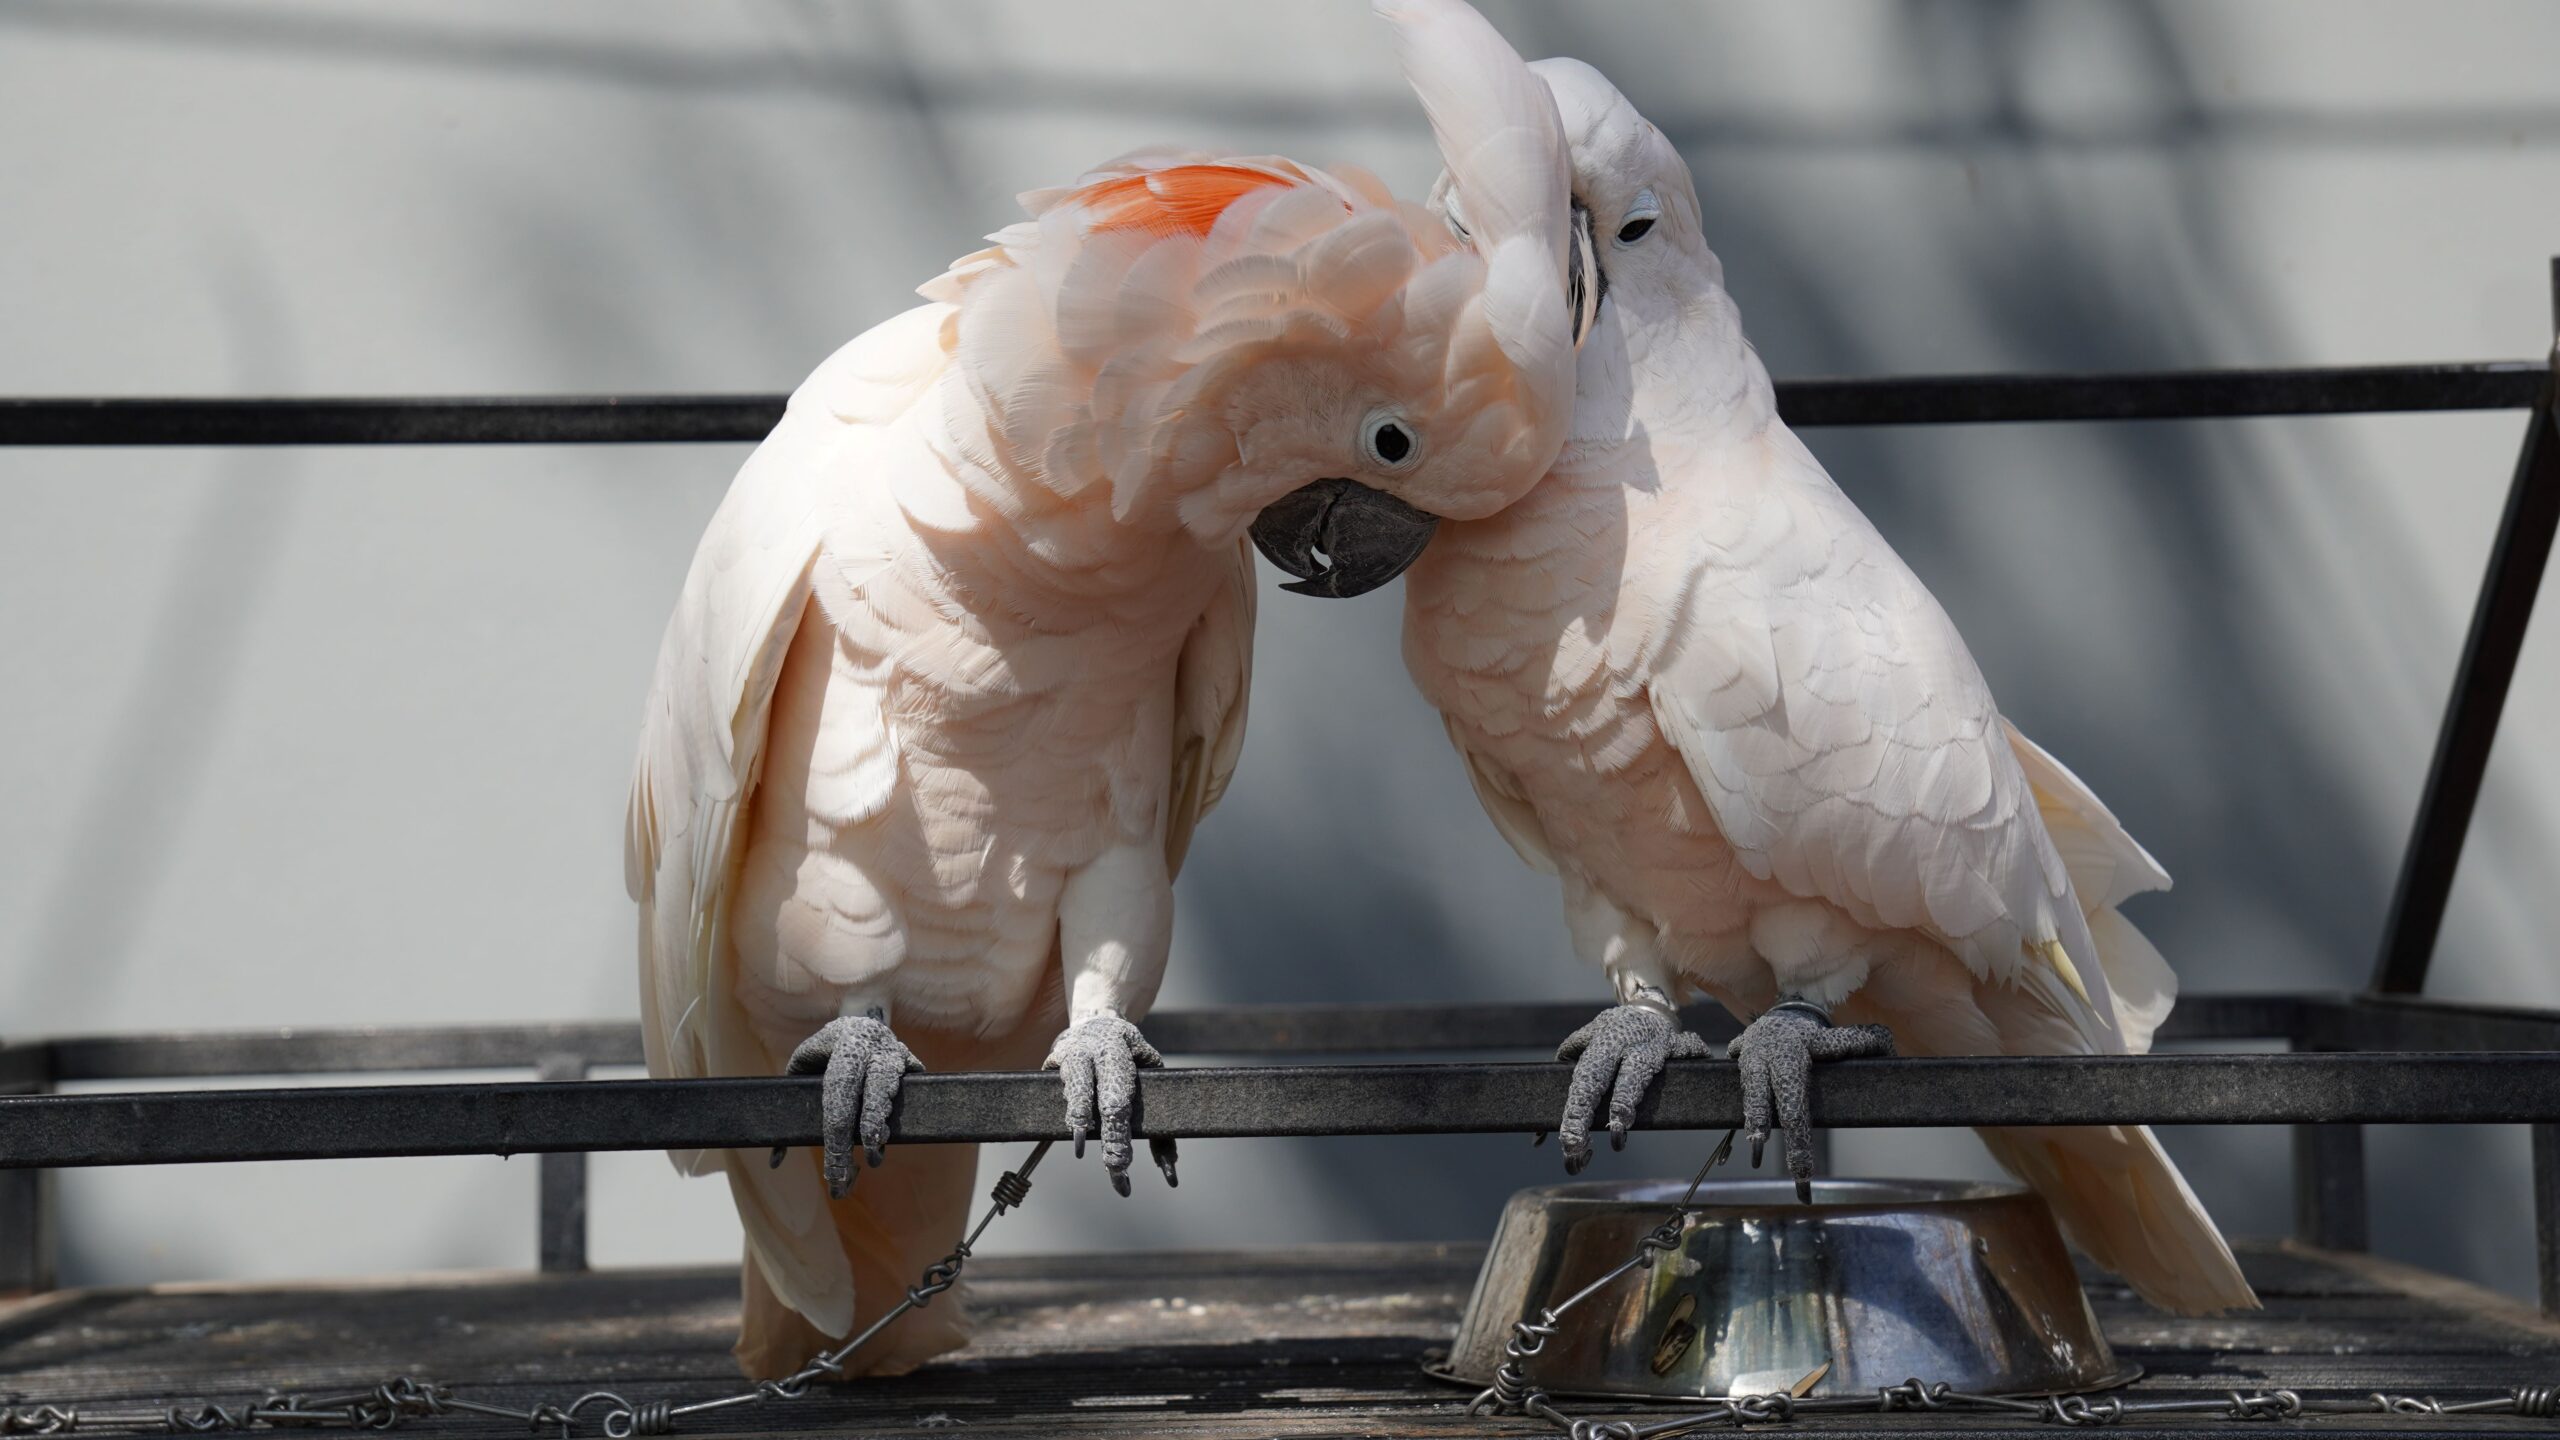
1388	441
1641	213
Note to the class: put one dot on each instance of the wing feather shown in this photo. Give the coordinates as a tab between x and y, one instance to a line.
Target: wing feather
1847	744
703	730
1213	681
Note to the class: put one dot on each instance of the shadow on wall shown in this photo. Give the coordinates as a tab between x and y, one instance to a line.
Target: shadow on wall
120	847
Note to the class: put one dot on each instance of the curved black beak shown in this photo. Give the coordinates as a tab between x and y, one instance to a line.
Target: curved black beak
1341	538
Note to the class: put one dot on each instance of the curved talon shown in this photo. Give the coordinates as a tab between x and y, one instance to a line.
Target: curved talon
1618	1055
1098	1063
864	1064
1776	1052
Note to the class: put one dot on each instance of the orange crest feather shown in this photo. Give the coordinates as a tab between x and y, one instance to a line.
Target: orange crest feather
1181	200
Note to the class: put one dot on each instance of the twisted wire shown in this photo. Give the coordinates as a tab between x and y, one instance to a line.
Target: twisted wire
1913	1394
1774	1408
2273	1405
2080	1410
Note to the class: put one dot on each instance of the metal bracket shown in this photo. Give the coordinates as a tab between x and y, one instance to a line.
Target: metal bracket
563	1244
2507	590
28	1234
2329	1187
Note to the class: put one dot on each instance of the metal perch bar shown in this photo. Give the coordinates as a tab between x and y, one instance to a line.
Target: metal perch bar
506	1119
696	419
1241	1030
2308	1021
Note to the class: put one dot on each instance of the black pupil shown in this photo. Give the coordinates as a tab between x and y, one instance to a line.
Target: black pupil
1393	444
1634	230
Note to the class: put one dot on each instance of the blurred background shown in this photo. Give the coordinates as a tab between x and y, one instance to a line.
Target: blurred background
320	737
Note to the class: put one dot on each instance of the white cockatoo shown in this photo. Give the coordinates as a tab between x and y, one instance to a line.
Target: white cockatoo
1687	676
962	657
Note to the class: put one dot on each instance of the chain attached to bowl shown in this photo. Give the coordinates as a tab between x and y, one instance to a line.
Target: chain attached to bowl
1513	1393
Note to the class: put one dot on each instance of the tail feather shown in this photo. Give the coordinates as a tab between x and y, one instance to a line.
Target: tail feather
2140	984
2107	867
899	1218
869	1247
2124	1205
2118	1197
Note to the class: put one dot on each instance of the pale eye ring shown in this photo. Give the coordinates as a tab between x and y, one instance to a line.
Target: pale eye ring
1640	217
1388	440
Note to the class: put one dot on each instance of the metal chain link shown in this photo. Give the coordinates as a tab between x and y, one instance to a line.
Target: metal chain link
2535	1402
1513	1393
405	1398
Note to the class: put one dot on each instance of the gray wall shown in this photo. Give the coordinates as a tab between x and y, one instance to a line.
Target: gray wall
341	736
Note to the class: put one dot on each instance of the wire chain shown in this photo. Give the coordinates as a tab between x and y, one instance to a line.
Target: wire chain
406	1398
2533	1402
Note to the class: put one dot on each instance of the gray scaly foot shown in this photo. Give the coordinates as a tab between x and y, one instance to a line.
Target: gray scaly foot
1777	1052
1616	1057
864	1064
1099	1062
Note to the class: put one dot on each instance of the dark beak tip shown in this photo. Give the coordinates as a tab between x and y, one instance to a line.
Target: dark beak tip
1366	537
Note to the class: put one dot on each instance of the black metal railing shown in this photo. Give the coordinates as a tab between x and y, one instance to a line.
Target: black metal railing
699	419
2386	1056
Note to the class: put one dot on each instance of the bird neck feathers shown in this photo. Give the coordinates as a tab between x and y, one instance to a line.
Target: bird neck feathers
1685	369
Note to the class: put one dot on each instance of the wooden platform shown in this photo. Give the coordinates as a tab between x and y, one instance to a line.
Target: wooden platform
1318	1342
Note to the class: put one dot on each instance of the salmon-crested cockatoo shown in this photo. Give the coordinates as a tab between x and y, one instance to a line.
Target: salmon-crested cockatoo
1687	676
962	658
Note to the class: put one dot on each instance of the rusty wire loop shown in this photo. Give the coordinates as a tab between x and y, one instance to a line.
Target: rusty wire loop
406	1398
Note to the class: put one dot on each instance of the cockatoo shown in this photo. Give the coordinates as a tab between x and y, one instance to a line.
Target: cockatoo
963	656
1688	677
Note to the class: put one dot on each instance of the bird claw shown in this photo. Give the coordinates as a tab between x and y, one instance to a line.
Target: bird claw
1098	1062
1777	1052
864	1064
1617	1057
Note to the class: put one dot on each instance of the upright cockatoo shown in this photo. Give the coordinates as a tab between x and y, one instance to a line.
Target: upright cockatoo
963	655
1688	677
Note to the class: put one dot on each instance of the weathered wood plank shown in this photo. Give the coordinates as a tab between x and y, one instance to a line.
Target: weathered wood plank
1301	1343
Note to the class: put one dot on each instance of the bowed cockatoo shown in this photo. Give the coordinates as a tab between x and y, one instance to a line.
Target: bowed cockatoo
962	657
1688	677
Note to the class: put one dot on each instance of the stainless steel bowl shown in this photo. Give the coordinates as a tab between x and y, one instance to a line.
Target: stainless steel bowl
1875	1282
